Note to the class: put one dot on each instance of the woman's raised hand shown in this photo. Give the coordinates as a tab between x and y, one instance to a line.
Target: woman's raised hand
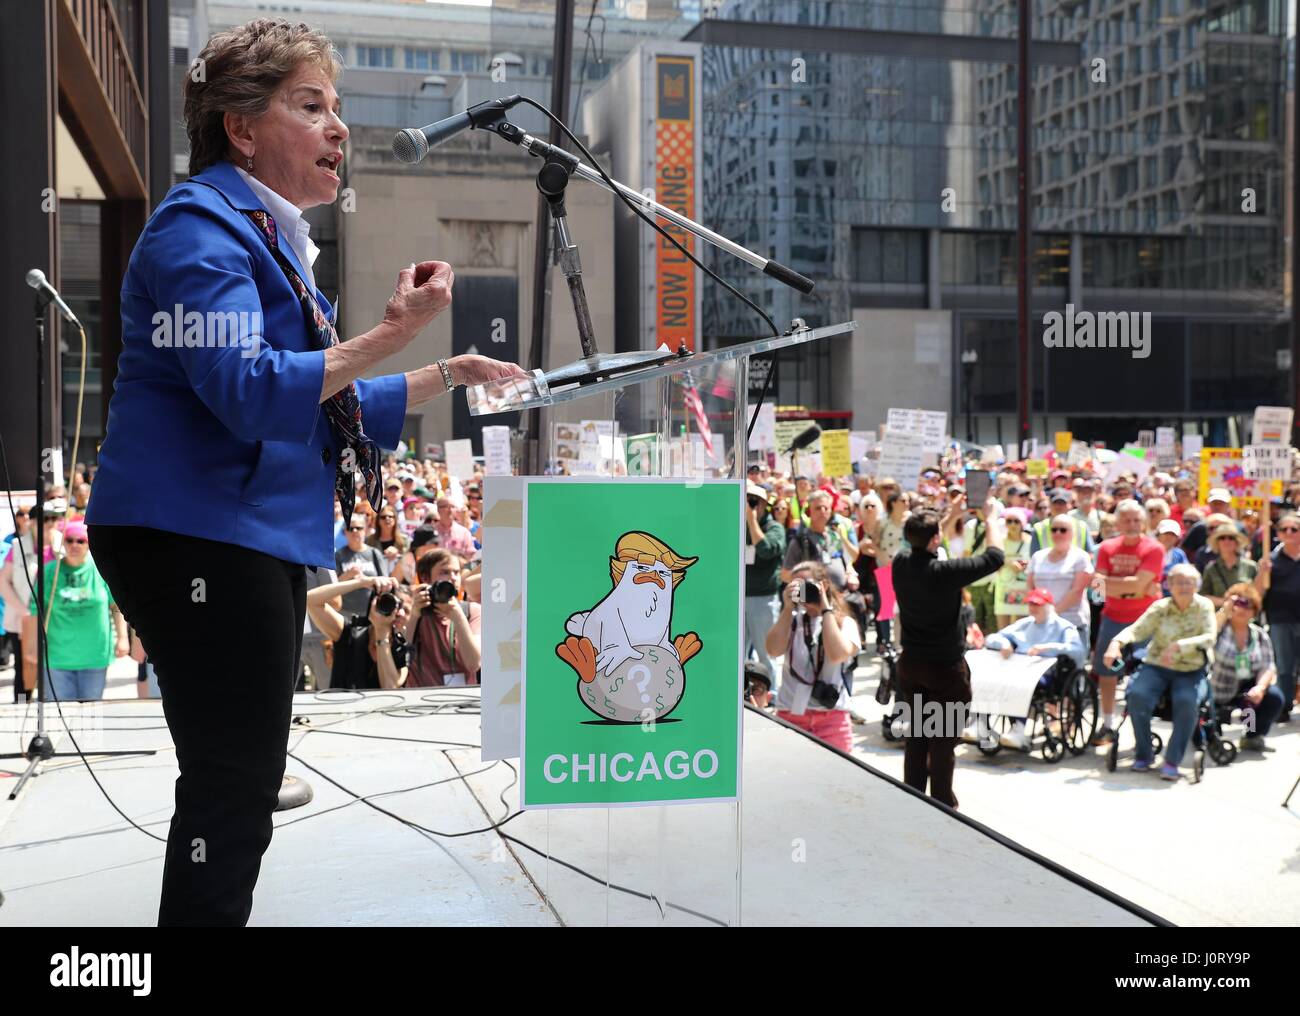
423	292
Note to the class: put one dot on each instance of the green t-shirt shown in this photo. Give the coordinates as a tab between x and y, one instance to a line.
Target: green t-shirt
1219	577
80	634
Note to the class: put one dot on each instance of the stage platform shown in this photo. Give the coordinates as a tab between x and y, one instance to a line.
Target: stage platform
827	841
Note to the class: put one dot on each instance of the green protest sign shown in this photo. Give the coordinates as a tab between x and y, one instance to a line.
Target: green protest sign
632	642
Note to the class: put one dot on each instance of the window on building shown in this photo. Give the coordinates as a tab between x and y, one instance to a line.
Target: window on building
466	61
889	256
375	56
422	59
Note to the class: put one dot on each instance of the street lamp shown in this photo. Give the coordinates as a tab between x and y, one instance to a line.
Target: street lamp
969	358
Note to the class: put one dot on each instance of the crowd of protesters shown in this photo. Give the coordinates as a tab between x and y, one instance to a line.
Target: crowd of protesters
399	610
1208	592
1207	595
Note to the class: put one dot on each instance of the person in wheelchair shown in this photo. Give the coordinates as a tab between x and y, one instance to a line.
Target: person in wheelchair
1182	634
1244	675
1043	633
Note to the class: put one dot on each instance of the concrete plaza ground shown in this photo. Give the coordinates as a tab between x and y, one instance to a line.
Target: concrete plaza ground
1221	852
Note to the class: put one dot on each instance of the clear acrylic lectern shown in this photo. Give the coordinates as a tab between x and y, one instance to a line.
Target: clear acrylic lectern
682	415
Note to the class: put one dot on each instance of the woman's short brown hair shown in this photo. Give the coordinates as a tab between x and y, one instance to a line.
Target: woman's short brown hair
1247	590
238	71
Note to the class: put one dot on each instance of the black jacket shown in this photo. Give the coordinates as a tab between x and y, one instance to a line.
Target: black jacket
929	600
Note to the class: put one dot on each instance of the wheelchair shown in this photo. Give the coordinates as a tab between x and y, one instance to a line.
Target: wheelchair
1207	733
1062	715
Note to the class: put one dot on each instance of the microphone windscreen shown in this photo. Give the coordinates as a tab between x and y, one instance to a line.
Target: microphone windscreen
410	146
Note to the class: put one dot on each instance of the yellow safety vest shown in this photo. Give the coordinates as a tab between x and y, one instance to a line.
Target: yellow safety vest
1042	530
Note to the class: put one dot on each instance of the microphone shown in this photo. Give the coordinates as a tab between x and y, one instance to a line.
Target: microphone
36	279
807	437
413	144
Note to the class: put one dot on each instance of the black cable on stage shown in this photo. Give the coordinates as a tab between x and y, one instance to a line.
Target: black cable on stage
591	159
387	737
398	818
382	793
496	827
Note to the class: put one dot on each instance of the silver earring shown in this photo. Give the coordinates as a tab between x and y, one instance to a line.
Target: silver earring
250	163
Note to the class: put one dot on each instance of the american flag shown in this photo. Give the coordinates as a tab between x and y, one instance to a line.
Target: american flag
693	403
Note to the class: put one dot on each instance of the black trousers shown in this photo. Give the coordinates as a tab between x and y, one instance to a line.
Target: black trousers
222	625
931	759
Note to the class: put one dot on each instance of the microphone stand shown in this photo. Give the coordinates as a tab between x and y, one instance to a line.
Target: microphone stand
558	166
41	747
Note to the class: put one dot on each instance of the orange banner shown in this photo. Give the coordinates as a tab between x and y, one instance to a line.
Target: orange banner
675	188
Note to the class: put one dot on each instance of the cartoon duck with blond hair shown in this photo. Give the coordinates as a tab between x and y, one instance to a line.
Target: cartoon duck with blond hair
637	611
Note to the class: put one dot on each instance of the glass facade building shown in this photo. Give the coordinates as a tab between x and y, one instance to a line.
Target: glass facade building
873	148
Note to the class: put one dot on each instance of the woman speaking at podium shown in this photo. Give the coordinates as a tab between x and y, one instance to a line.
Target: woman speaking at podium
236	418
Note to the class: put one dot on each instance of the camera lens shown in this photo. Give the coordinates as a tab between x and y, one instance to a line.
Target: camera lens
444	592
385	604
810	592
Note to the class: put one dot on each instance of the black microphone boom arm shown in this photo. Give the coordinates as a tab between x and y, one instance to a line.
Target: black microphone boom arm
543	150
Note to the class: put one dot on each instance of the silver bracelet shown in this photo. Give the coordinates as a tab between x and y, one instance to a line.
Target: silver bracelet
446	374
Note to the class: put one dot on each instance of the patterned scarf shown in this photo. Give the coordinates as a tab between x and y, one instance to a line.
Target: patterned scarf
343	408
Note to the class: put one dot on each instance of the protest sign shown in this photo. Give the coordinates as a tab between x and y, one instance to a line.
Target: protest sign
900	457
1223	467
932	425
1272	425
787	431
1166	455
460	459
1267	462
860	444
1004	687
763	436
496	451
835	453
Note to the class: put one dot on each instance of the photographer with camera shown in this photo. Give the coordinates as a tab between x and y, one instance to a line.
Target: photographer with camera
819	639
370	651
443	628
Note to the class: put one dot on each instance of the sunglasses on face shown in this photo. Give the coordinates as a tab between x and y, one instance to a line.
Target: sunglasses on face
72	539
1060	529
1288	529
356	529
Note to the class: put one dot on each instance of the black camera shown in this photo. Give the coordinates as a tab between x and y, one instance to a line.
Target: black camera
755	502
443	592
807	593
385	604
825	694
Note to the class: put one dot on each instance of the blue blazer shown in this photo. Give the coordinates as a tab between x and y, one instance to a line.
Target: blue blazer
204	439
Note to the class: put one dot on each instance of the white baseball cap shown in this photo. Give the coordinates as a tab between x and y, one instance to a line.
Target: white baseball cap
1169	526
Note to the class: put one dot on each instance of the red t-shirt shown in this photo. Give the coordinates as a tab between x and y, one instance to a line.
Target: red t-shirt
1119	561
433	659
1176	512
